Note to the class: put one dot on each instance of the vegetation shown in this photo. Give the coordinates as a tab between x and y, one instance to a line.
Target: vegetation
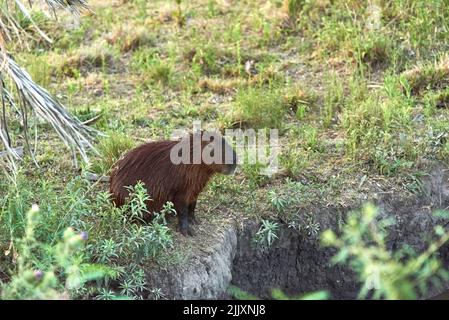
357	89
383	273
24	97
99	242
400	274
32	283
267	233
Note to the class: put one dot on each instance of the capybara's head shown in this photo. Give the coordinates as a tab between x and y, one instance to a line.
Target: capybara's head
217	153
229	156
206	148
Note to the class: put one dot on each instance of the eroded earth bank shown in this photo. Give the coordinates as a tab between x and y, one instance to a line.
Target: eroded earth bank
296	262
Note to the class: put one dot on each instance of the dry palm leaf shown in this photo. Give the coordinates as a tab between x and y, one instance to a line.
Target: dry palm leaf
26	98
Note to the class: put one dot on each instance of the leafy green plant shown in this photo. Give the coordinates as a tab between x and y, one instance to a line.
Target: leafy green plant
401	274
277	202
318	295
133	244
266	234
254	174
137	202
293	8
106	294
56	280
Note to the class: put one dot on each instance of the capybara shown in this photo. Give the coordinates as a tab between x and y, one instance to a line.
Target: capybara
175	171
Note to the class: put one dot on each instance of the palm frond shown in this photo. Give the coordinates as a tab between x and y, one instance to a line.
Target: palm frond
9	10
33	96
26	98
74	6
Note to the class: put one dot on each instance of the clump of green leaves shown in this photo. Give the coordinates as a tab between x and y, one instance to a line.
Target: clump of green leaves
267	233
391	275
154	68
87	59
120	243
59	279
134	243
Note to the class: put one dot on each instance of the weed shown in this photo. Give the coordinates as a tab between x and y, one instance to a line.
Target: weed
278	203
333	99
266	235
34	280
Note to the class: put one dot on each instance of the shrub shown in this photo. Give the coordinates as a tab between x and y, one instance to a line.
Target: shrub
56	278
391	275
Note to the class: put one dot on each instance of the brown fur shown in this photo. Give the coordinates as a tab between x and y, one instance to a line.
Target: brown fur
181	184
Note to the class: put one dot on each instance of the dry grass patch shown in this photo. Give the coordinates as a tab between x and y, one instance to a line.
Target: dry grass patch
220	86
87	59
432	76
129	37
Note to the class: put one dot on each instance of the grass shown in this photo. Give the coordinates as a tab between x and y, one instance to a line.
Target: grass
357	89
114	246
111	148
259	108
130	38
428	76
86	59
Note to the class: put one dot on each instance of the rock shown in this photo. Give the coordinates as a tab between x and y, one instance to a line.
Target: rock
204	276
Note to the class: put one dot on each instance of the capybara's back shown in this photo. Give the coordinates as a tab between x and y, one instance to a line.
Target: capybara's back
149	163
